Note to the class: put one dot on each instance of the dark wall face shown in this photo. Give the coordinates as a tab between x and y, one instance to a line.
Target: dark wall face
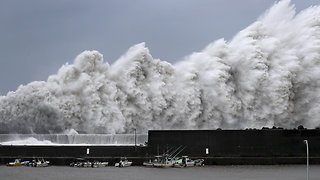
236	143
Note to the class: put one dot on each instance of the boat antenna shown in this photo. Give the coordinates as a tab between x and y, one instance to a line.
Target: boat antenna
179	152
176	150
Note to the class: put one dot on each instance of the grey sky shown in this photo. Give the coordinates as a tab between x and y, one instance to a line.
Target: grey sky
38	36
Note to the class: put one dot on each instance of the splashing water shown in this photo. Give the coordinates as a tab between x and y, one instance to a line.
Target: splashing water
268	75
73	139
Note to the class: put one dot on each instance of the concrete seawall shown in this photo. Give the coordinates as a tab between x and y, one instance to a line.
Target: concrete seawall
63	155
217	147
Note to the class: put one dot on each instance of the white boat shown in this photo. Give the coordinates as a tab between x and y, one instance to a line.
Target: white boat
163	164
163	161
199	162
185	161
81	162
97	164
168	159
123	163
40	162
18	162
150	163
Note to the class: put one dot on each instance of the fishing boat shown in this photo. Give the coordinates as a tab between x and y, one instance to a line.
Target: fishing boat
199	162
156	160
168	159
163	162
123	163
185	161
40	162
18	162
81	162
97	164
148	163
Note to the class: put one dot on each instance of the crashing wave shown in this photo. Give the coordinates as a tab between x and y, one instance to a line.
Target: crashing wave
267	75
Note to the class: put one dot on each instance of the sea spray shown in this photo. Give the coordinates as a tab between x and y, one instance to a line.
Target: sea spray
71	139
267	75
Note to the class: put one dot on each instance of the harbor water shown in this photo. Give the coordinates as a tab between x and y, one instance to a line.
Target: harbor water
288	172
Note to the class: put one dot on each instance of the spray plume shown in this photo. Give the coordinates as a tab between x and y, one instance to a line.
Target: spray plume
267	75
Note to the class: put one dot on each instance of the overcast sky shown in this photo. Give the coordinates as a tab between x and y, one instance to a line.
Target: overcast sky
38	36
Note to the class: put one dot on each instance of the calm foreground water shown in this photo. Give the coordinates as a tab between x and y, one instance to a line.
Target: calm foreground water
288	172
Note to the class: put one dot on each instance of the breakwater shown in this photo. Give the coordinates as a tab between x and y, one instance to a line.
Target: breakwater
266	146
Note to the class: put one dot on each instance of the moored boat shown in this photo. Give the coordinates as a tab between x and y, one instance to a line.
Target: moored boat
81	162
168	159
164	161
199	162
17	162
185	161
40	162
97	164
148	163
124	162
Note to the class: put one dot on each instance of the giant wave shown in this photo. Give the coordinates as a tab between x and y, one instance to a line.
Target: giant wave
267	75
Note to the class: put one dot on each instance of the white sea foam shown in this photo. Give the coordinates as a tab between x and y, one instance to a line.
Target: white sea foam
27	141
73	139
267	75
